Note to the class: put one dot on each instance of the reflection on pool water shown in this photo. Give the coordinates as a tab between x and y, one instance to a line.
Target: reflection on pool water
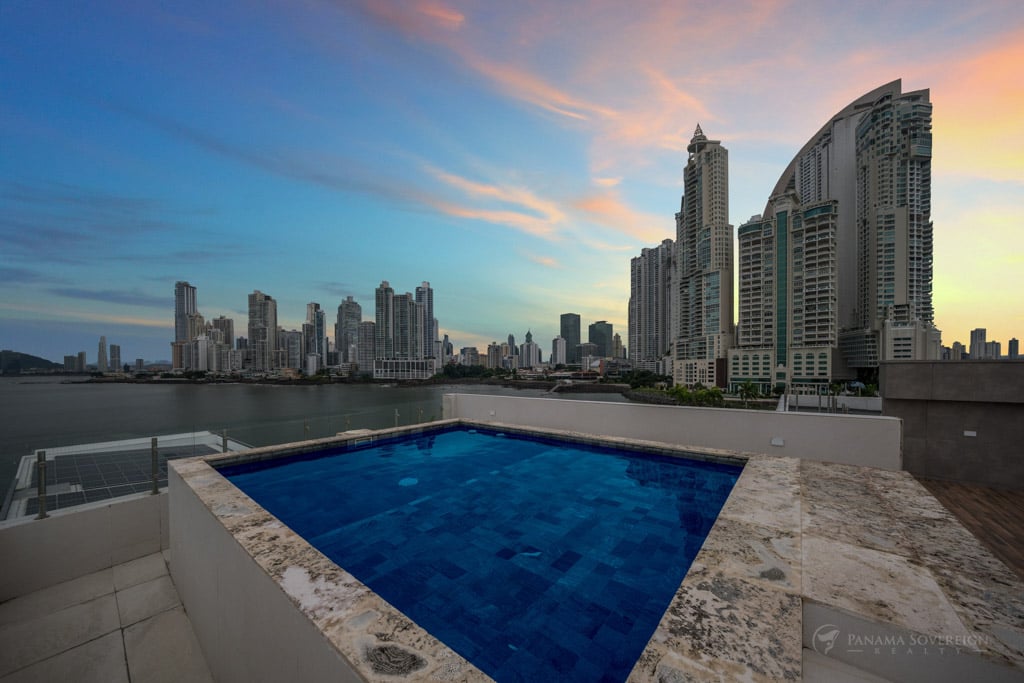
533	558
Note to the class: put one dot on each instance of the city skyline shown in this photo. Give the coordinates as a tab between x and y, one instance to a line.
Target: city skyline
517	159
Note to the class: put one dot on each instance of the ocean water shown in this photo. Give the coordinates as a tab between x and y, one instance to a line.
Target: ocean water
535	559
38	413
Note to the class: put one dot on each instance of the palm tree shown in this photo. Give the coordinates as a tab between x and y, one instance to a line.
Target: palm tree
747	392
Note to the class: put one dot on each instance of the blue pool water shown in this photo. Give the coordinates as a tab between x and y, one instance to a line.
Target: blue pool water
535	559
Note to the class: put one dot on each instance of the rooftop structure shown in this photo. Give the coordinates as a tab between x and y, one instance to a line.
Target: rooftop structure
808	562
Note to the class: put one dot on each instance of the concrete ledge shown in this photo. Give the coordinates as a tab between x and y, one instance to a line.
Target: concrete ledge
863	440
80	540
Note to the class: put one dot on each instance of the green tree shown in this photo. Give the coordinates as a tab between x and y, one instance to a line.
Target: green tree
747	392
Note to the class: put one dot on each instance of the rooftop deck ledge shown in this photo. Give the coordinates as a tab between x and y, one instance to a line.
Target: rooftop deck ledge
799	546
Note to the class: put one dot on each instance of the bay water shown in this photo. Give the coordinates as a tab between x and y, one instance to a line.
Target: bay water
45	412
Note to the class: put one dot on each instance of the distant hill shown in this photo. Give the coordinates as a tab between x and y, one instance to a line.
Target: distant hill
13	362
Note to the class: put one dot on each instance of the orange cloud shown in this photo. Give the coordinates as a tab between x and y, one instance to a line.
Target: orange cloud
546	261
607	208
539	216
447	17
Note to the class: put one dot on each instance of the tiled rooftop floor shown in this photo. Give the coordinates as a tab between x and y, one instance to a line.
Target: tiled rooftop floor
125	623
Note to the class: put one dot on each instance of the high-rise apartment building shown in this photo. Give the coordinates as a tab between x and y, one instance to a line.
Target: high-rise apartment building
101	355
184	306
836	273
425	302
366	347
115	358
600	335
315	340
227	329
494	355
558	351
650	308
529	352
894	313
569	330
384	300
469	355
346	330
1013	349
704	258
262	341
978	341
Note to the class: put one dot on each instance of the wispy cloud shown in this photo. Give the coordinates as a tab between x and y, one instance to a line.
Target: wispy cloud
607	208
113	296
18	276
518	207
70	314
545	260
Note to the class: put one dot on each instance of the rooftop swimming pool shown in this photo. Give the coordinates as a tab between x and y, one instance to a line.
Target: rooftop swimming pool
534	558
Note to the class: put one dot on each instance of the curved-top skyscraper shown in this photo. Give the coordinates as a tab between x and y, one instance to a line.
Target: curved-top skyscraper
836	274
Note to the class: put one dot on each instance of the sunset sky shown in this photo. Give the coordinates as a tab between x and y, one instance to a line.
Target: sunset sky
516	155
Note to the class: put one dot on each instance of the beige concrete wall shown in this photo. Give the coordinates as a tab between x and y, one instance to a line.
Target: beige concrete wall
37	553
248	628
849	439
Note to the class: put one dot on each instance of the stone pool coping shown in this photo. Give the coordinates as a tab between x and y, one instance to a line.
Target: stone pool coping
797	545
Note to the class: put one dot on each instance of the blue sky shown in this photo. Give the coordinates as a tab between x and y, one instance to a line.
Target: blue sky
515	155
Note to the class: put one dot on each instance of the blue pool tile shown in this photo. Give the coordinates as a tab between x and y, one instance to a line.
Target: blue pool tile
537	561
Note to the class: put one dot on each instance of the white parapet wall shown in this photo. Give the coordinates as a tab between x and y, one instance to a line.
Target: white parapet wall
38	553
870	441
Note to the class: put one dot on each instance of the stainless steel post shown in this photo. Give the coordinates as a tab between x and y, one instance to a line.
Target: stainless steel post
41	483
155	466
224	441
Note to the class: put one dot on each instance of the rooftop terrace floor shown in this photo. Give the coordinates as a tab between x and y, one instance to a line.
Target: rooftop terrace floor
124	623
806	558
993	515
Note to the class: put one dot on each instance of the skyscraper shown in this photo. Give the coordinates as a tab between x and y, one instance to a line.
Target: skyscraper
570	332
425	301
650	308
529	352
115	358
366	347
184	306
227	329
384	310
262	343
978	340
847	222
101	355
316	339
346	330
894	313
704	254
600	335
557	351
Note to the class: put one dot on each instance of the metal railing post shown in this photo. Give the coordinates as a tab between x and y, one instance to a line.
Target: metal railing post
224	441
41	483
156	469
